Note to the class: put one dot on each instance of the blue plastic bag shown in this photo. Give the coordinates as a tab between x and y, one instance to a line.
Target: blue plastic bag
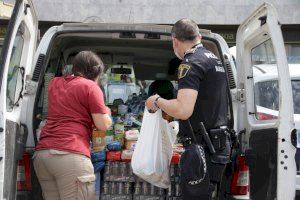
98	156
114	146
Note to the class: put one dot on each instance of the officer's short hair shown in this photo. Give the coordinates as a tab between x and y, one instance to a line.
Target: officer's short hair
185	30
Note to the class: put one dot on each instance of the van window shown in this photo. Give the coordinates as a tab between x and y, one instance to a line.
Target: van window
13	70
265	76
121	83
263	54
267	95
293	53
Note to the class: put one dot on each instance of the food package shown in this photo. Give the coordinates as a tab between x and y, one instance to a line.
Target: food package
126	155
109	139
98	140
120	138
98	156
114	146
175	158
127	119
110	131
178	148
113	155
132	134
122	109
119	127
130	144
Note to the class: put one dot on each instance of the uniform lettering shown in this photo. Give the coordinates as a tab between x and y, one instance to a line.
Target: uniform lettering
220	69
210	55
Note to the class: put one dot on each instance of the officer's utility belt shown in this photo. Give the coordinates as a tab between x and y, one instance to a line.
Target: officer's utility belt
214	139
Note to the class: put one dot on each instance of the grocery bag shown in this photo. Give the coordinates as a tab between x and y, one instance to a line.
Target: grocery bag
153	152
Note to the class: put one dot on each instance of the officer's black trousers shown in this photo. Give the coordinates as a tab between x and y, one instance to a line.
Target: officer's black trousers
204	190
216	164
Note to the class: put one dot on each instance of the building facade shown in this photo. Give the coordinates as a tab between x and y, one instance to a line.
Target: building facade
221	16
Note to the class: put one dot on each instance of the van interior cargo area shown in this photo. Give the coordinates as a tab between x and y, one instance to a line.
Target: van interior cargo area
142	61
149	59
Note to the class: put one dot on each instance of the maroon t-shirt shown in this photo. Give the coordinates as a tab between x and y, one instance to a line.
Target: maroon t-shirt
72	99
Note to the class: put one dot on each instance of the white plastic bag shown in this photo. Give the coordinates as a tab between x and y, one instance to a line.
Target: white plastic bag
153	152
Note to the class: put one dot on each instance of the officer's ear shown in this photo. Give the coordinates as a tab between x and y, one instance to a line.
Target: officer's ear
200	37
175	42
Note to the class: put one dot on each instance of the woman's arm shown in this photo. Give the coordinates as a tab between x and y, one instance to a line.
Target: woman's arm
102	121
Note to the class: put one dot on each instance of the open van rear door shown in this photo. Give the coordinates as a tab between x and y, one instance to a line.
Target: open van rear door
15	64
264	85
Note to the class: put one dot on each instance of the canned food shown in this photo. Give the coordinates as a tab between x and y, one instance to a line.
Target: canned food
175	170
172	170
170	190
113	188
127	188
153	190
160	192
145	188
120	187
177	190
123	170
137	188
115	169
107	169
105	188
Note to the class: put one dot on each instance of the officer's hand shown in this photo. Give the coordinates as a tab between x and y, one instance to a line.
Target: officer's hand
150	103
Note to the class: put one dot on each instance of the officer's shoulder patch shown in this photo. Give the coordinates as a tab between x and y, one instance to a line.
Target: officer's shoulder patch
183	70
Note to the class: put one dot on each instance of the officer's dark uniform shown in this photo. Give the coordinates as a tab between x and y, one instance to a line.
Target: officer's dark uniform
202	71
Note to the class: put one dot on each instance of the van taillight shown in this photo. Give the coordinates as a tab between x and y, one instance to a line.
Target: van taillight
23	173
264	116
240	179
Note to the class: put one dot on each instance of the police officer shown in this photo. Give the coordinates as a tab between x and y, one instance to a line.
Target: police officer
202	97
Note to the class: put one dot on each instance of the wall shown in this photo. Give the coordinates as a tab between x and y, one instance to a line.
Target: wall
161	11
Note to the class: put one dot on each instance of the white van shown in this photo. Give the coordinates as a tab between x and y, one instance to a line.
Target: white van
268	146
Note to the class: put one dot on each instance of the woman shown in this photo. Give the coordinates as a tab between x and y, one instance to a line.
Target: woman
62	158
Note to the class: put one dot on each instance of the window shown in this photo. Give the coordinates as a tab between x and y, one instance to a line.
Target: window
267	95
120	84
14	70
293	53
265	76
263	54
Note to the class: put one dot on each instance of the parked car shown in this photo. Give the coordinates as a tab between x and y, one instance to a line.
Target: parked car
266	146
